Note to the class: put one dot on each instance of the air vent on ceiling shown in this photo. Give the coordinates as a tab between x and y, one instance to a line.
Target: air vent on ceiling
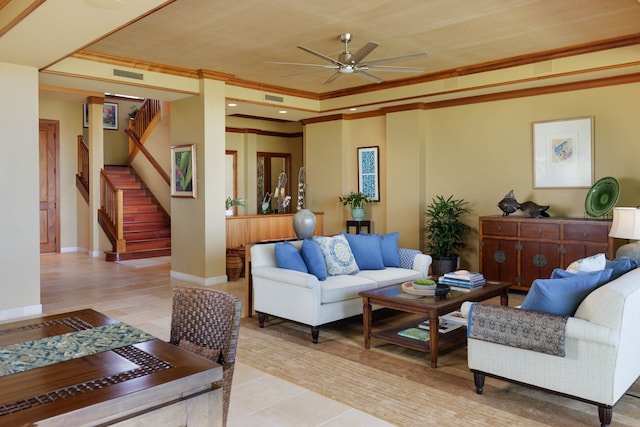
128	74
275	98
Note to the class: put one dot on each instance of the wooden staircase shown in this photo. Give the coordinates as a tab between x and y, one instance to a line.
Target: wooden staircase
146	225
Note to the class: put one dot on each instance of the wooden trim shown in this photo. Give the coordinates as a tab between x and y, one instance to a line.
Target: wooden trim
264	132
26	11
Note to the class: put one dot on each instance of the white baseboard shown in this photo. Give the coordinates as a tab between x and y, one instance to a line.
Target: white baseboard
210	281
14	313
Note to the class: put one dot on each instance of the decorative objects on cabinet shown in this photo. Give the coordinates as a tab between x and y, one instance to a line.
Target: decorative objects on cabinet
521	249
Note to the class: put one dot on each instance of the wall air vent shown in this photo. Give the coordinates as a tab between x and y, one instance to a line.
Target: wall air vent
128	74
275	98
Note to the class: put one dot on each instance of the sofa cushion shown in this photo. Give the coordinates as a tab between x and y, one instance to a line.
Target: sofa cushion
343	287
288	256
407	256
390	275
366	250
389	249
620	266
337	255
313	258
591	263
560	296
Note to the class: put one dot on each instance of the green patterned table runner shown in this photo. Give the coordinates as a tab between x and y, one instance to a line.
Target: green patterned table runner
73	345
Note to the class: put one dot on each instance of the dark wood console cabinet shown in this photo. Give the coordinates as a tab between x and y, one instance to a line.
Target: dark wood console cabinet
522	249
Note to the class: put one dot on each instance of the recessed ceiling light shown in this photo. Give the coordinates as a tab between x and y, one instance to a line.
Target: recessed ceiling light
105	4
232	104
353	109
282	111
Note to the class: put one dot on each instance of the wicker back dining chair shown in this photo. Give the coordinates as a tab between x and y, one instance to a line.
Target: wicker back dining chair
210	320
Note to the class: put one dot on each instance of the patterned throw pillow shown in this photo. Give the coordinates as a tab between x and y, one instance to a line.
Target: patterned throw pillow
337	255
407	256
592	263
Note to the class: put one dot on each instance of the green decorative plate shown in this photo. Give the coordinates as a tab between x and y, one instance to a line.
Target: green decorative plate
602	197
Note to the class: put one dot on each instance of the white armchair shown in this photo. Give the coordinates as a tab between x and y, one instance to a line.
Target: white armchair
601	350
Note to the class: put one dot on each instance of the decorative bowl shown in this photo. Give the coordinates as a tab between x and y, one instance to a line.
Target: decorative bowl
424	284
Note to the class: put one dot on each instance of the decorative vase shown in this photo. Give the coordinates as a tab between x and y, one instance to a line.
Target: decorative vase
357	214
228	212
304	222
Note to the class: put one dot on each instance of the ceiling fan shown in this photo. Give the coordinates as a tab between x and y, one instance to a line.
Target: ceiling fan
348	63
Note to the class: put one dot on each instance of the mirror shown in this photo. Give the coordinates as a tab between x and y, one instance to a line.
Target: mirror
269	167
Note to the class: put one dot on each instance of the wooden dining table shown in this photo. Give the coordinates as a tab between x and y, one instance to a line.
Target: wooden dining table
83	368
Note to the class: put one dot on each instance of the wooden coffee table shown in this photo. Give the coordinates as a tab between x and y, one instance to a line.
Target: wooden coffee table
432	307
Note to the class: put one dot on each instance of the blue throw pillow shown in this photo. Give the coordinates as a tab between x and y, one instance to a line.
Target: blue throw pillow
389	249
366	250
288	256
603	276
620	266
313	258
560	296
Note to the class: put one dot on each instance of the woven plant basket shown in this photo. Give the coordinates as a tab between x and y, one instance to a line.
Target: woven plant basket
234	267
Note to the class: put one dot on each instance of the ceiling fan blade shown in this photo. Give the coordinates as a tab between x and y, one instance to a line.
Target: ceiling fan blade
397	59
304	73
395	69
331	67
320	55
332	78
369	76
364	51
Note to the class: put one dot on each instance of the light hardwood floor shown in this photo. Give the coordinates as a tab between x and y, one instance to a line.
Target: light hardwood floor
139	293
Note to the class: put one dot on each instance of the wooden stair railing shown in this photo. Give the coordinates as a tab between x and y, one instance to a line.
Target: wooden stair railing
111	212
82	177
143	123
136	141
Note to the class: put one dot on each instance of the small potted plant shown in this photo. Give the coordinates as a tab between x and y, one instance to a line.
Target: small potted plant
230	204
357	202
445	232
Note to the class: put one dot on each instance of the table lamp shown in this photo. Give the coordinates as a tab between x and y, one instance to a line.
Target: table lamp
626	225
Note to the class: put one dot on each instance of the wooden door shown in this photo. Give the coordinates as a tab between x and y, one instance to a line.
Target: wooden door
49	187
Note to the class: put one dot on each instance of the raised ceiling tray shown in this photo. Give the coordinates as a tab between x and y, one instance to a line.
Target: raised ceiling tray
602	196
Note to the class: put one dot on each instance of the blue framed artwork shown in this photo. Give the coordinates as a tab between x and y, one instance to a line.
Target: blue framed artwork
369	172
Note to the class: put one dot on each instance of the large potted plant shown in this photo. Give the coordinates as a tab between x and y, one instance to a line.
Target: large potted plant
445	232
357	202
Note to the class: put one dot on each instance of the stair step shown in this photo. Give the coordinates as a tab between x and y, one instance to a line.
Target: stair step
114	256
129	186
147	234
139	200
134	193
148	208
142	245
146	226
144	217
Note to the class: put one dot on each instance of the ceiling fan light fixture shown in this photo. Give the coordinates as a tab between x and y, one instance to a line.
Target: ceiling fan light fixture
348	69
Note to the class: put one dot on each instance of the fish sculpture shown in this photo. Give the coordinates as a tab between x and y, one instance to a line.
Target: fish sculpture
509	205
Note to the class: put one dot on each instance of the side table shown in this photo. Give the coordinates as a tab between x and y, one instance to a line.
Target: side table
359	225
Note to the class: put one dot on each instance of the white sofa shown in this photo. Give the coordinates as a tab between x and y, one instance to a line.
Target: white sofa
601	346
301	297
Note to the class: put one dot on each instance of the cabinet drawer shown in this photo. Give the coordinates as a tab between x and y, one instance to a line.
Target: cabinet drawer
500	228
540	231
586	233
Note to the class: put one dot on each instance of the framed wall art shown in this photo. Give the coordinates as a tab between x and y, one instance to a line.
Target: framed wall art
183	171
369	172
563	153
109	116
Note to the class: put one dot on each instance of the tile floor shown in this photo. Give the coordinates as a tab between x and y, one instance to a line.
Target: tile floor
139	293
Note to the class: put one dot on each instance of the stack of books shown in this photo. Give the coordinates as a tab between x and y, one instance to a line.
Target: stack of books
463	280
